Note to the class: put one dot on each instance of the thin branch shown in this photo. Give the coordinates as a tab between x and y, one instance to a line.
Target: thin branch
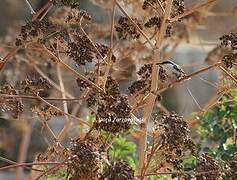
36	98
13	162
27	164
67	122
24	145
32	11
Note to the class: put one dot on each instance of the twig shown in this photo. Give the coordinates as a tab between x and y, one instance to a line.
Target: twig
44	8
30	7
13	162
10	96
27	164
25	141
67	122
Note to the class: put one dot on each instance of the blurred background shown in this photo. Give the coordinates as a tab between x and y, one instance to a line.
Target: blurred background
184	99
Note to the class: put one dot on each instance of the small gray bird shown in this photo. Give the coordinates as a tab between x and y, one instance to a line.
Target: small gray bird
170	72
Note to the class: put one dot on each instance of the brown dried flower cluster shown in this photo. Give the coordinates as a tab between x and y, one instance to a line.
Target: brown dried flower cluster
153	22
177	9
113	113
46	112
81	50
126	28
74	4
85	159
233	167
34	86
35	30
143	84
175	139
76	16
208	167
118	170
11	105
229	41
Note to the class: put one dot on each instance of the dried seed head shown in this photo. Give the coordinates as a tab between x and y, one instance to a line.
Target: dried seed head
210	166
178	8
126	28
229	40
75	16
175	138
153	22
118	170
35	86
85	159
74	4
233	167
141	86
81	50
35	30
10	105
113	113
104	50
46	112
229	59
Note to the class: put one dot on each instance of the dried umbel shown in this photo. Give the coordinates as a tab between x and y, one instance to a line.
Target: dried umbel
113	113
76	16
153	22
85	160
175	140
81	50
233	167
11	105
208	168
118	170
54	153
126	28
229	59
46	112
143	84
177	8
229	40
34	86
35	31
103	50
74	4
148	3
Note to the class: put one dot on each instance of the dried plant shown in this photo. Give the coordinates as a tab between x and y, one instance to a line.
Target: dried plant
65	63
